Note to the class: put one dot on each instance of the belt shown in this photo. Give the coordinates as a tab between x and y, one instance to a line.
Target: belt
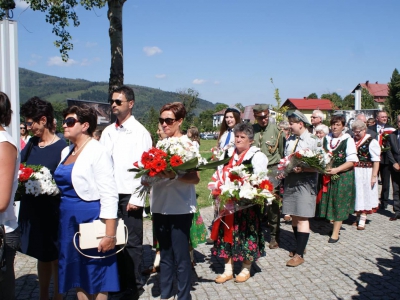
363	164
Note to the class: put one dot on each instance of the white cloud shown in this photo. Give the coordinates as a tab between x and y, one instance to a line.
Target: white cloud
34	59
160	76
199	81
150	51
90	44
57	61
216	82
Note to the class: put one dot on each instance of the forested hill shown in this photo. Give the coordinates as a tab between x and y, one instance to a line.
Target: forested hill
57	89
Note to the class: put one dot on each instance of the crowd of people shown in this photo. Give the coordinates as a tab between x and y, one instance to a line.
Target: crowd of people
94	183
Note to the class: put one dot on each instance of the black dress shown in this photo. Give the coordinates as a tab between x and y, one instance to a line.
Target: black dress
39	216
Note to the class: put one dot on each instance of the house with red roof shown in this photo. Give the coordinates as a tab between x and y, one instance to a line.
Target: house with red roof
306	106
379	91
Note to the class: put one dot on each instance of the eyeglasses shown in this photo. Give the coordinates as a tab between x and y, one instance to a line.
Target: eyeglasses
358	132
312	117
29	124
168	121
262	117
117	101
22	128
70	122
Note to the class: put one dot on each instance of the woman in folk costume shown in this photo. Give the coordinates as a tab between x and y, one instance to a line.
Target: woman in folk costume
338	191
237	237
366	173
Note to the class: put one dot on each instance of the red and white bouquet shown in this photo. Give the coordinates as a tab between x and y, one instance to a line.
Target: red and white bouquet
319	160
384	137
239	189
35	180
175	154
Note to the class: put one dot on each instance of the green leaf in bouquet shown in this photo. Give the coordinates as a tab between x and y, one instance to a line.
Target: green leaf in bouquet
214	164
134	170
189	165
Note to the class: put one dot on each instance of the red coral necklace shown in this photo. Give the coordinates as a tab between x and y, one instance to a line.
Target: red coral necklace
337	143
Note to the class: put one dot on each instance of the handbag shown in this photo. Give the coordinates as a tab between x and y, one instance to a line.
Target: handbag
90	235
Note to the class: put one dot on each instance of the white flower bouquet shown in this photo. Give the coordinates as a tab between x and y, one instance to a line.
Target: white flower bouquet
35	180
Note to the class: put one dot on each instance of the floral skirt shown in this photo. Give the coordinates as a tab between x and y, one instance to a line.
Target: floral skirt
248	237
338	202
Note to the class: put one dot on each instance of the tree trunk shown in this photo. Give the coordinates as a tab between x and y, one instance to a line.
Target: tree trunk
115	32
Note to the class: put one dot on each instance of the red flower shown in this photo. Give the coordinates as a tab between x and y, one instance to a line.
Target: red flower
25	174
234	177
298	155
159	165
175	160
136	164
216	192
267	185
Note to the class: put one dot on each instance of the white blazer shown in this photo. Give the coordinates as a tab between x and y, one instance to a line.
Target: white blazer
93	177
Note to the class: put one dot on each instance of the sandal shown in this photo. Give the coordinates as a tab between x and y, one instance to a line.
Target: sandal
243	276
223	278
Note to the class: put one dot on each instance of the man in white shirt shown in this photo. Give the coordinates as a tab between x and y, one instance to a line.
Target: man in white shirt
316	119
126	140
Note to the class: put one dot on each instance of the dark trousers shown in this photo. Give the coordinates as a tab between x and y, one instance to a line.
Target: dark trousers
274	215
130	259
173	232
396	193
7	275
384	170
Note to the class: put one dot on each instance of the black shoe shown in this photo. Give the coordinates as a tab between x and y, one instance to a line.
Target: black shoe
383	206
331	240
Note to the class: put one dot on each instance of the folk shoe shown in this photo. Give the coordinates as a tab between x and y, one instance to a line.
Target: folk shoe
242	277
295	261
223	278
293	252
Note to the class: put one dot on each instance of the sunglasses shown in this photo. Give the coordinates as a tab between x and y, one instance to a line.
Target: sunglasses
262	117
22	128
29	124
117	101
168	121
70	122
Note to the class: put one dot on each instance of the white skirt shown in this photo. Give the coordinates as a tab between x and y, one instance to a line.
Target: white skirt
366	197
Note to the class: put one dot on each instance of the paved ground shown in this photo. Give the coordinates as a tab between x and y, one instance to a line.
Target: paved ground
362	265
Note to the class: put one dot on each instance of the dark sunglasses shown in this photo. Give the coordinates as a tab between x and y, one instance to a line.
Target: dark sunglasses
70	122
29	124
167	121
117	101
22	128
262	117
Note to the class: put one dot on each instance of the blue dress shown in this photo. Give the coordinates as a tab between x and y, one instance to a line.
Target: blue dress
74	269
39	216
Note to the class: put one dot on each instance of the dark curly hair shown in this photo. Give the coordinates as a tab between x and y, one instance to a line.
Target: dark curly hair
5	109
36	108
84	113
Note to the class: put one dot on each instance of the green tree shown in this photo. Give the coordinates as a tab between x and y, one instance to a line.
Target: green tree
281	111
150	122
220	106
367	100
312	96
392	103
206	120
335	98
60	14
239	106
348	102
190	99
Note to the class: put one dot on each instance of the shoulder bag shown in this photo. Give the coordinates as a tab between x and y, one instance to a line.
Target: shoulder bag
90	235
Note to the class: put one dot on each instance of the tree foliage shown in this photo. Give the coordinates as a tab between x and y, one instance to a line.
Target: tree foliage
281	111
392	103
239	106
206	120
367	100
190	99
312	96
60	14
335	98
220	106
348	102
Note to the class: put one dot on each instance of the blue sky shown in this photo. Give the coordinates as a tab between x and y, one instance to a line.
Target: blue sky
228	49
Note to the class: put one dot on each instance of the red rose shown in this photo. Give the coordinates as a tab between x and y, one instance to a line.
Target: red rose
175	160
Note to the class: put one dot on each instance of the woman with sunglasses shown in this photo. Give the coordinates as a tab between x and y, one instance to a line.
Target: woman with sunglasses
39	216
226	137
173	204
9	161
24	134
88	192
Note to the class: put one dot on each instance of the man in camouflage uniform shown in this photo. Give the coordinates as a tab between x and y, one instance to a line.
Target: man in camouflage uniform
269	139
